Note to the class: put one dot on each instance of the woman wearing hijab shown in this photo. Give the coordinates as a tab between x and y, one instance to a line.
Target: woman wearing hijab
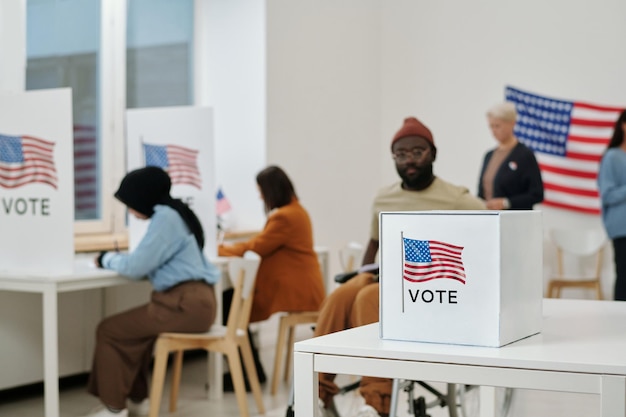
183	300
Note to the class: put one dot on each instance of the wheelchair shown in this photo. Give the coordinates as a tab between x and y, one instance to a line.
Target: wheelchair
460	400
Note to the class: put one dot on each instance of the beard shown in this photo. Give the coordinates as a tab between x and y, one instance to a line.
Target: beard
419	180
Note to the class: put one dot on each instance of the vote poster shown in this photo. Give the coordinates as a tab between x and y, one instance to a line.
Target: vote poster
179	140
36	182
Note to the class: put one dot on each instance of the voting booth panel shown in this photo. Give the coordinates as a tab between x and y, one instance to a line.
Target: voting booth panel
37	182
460	277
179	140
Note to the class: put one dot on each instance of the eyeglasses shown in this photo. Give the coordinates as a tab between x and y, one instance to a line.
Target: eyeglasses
404	154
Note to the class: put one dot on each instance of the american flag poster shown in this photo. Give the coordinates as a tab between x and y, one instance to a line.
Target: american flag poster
425	260
568	138
180	162
179	140
26	160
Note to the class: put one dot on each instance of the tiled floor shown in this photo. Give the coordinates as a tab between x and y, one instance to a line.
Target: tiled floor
193	398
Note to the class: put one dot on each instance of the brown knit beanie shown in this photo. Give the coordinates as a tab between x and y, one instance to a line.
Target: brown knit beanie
413	127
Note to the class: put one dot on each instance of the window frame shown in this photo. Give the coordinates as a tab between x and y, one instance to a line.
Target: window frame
109	231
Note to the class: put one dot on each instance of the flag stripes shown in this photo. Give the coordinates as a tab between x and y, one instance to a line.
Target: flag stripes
568	139
25	160
425	260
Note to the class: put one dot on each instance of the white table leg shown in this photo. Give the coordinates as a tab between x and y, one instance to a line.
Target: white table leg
487	401
305	385
612	402
50	352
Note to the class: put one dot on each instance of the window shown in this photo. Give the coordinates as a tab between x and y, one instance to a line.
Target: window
143	57
159	64
63	50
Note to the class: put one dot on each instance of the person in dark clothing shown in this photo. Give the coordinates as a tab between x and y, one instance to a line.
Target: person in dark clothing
510	178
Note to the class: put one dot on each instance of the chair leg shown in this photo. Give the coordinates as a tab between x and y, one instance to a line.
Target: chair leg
291	335
237	375
253	377
598	291
176	373
158	377
280	343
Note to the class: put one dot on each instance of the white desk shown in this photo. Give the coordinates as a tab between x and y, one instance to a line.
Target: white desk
83	277
582	349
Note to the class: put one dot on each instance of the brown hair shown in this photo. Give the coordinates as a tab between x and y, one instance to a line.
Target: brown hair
276	187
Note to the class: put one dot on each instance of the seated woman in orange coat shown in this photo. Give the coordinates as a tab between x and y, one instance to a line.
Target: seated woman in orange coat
289	276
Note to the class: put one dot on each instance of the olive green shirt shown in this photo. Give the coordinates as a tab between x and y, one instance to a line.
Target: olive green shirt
440	195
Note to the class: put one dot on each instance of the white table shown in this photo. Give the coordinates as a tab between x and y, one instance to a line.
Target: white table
83	277
581	349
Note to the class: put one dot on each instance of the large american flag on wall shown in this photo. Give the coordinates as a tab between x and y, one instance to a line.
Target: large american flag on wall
568	138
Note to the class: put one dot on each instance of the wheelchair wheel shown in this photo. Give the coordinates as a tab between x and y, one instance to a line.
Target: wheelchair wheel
448	399
469	400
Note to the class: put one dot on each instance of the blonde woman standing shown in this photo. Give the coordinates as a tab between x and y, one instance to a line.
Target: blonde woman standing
510	176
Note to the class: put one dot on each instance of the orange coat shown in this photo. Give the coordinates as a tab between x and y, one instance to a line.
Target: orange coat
289	276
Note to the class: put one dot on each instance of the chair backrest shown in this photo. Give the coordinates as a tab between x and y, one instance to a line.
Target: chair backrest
242	272
579	242
350	256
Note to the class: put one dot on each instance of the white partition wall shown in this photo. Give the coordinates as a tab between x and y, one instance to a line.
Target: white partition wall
179	140
36	182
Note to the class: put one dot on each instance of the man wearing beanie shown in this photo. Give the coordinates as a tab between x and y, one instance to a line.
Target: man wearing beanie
356	302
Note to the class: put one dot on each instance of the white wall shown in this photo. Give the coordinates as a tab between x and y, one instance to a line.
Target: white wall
448	61
341	76
323	110
231	37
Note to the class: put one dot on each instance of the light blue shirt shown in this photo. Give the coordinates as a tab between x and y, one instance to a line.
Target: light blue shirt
612	187
168	254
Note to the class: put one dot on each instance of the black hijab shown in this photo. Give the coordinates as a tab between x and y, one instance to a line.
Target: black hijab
144	188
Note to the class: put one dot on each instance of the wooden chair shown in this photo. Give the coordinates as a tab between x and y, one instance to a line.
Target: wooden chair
580	243
227	340
349	256
286	337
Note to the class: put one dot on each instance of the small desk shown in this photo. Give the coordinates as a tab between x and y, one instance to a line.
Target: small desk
83	277
580	349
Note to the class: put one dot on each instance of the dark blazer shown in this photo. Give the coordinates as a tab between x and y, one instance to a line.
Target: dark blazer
518	179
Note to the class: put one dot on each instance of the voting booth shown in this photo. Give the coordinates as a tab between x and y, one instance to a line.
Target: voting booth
37	182
461	277
180	141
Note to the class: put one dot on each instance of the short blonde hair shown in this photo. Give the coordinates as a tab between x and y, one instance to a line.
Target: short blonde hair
503	111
